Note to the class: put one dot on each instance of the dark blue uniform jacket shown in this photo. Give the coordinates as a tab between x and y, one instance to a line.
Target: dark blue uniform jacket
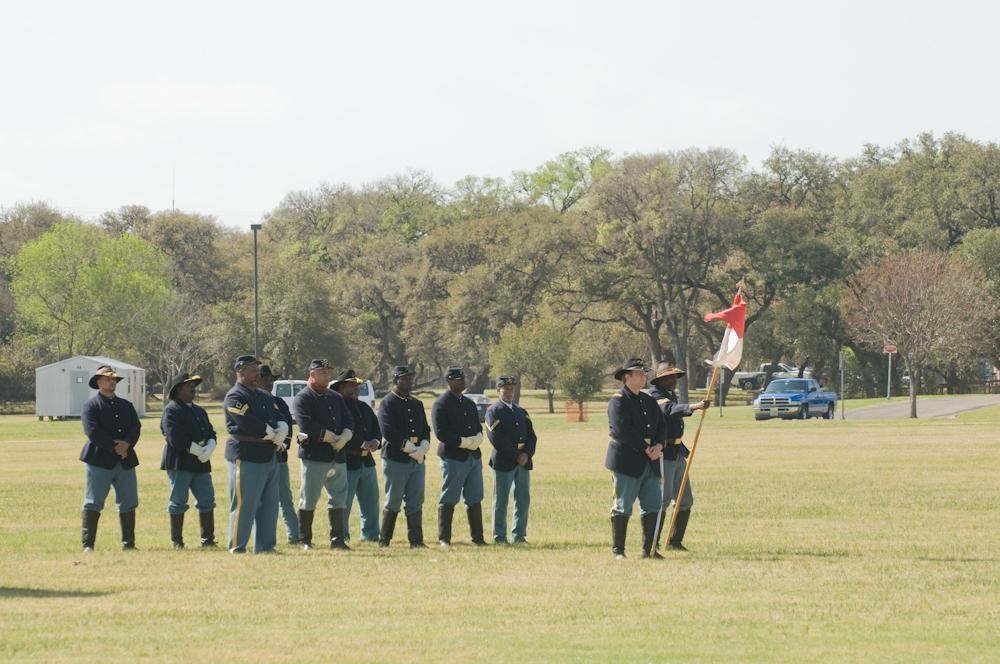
635	423
104	421
249	412
674	413
510	432
183	424
365	428
318	411
455	417
401	419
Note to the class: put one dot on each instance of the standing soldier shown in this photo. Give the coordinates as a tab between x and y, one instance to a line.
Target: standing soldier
637	436
112	429
361	477
285	501
255	435
324	430
513	438
456	425
674	452
406	438
190	441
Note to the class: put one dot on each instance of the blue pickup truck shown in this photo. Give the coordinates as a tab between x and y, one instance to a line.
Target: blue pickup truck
794	398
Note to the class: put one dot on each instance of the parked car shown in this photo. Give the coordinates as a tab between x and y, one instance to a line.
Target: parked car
754	380
794	398
287	389
482	404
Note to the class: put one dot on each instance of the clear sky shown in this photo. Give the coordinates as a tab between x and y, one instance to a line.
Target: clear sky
105	104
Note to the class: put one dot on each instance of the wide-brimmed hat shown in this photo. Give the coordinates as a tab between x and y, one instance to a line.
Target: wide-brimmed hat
664	369
244	360
503	381
179	380
402	370
346	376
265	372
634	364
319	364
104	371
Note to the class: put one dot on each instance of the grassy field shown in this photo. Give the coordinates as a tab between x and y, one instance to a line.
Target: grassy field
820	540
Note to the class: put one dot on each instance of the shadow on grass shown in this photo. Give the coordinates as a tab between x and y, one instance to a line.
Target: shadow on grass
7	591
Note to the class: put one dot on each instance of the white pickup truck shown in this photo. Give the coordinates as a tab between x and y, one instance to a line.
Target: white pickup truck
754	380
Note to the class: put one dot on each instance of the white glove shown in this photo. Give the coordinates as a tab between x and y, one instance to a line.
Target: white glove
341	439
282	431
197	449
270	432
410	448
421	451
210	445
329	436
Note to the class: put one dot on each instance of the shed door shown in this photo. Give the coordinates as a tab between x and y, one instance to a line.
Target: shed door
79	391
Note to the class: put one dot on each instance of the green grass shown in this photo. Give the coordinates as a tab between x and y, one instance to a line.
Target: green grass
820	540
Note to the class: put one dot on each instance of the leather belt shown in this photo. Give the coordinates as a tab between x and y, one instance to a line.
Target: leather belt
360	453
520	446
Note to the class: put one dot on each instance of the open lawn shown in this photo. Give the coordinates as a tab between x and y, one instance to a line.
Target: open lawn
811	540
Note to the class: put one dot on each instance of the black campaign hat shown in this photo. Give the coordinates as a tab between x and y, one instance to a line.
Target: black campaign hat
402	370
319	364
179	380
454	372
104	370
634	364
346	376
265	372
506	380
244	360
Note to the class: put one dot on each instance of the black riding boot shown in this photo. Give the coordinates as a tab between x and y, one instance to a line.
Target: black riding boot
619	528
336	516
177	530
415	529
388	526
649	538
127	520
475	513
90	519
677	536
306	528
445	514
207	522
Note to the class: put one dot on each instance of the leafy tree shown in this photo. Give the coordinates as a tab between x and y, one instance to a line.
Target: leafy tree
580	379
537	349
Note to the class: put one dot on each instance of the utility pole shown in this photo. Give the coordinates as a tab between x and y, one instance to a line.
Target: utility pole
256	299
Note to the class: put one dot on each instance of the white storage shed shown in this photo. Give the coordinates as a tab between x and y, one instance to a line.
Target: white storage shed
63	387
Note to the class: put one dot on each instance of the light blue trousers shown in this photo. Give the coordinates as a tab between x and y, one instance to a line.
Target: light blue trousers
404	480
253	505
319	474
646	488
673	471
287	504
363	483
520	480
199	484
461	479
98	485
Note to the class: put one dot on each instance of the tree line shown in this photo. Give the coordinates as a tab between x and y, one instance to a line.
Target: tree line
552	273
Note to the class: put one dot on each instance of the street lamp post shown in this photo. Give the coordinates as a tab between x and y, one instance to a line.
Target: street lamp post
256	300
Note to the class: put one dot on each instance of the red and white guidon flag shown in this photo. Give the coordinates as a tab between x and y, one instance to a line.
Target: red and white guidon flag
731	349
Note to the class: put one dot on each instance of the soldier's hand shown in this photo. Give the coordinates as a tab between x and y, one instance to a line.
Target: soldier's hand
705	403
654	452
121	448
522	459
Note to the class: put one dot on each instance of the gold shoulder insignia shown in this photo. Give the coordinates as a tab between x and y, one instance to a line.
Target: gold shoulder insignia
616	395
493	426
239	410
662	401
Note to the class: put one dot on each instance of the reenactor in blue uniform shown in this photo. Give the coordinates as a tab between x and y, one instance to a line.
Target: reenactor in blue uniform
638	432
456	425
255	435
674	452
513	438
406	439
286	503
362	480
112	429
325	428
190	441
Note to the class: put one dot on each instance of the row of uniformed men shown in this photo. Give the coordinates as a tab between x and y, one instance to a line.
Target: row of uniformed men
646	456
338	435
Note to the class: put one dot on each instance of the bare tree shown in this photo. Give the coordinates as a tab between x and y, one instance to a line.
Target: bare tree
929	305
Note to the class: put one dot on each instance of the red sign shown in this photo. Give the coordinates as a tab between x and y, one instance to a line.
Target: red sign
889	348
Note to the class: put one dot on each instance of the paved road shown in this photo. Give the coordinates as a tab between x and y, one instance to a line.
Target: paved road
929	407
